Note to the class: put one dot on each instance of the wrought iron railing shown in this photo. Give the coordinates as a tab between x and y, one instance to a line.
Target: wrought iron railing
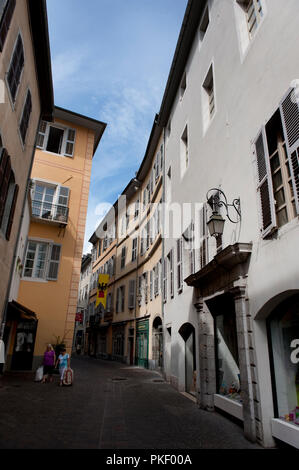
51	212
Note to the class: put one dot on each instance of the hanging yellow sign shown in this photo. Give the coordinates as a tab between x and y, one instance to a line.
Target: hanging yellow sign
102	289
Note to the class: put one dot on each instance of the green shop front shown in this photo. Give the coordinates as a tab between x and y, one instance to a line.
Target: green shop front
142	347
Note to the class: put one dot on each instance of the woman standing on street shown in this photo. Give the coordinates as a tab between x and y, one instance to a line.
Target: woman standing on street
49	361
64	363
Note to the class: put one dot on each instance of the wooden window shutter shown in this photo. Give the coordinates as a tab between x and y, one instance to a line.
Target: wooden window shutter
41	135
108	303
171	273
204	245
70	142
55	252
179	265
132	292
63	196
5	172
16	67
117	300
151	285
6	20
26	116
111	303
146	287
12	212
264	187
161	156
289	110
122	291
165	280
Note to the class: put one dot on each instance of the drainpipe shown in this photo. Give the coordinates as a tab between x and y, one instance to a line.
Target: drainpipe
4	312
163	247
137	282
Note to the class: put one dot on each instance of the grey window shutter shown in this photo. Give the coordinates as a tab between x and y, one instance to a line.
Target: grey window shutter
132	292
289	110
117	301
146	287
55	252
141	243
165	280
204	246
151	285
64	194
70	142
122	291
179	265
41	135
171	273
264	187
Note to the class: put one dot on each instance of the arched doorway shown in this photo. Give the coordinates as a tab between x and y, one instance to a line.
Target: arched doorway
158	343
187	332
283	333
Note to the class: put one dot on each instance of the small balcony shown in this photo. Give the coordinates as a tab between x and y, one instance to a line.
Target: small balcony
50	213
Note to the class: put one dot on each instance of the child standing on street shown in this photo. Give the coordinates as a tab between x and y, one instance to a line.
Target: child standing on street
64	363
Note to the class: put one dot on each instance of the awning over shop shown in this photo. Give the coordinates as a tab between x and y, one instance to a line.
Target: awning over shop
16	311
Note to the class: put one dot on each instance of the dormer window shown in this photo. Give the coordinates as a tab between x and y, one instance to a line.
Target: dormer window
56	139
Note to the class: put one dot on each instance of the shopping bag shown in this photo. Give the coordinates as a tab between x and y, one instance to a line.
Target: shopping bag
39	374
68	377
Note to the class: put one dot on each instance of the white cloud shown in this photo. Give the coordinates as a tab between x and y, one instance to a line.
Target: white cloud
102	209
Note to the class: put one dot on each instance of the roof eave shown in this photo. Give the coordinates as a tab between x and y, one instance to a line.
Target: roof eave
188	31
38	20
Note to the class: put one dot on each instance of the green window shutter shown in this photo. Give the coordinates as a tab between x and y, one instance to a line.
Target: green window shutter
264	186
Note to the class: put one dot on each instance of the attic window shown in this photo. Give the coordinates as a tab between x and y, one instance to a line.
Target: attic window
204	23
56	139
208	87
183	86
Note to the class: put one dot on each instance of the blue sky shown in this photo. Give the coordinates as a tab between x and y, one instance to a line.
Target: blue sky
110	61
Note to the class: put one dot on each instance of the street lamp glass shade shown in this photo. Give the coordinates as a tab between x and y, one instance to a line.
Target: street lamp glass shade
216	225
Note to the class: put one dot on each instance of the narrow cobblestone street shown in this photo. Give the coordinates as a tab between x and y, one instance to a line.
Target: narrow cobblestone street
110	406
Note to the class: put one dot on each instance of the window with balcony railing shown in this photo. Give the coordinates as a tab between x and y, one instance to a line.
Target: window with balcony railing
50	202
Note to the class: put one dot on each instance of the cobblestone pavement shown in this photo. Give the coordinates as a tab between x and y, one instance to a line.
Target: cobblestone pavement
109	406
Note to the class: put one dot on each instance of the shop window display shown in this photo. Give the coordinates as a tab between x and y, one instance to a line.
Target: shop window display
227	358
284	340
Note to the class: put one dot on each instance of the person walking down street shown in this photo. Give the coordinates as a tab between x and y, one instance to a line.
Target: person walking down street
48	363
63	362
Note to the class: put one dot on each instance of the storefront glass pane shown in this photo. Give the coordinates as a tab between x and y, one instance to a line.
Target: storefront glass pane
228	373
285	352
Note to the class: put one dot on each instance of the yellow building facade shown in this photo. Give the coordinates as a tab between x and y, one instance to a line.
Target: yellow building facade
60	182
128	246
26	96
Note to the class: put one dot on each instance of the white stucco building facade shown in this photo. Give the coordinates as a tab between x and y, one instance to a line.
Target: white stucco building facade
231	304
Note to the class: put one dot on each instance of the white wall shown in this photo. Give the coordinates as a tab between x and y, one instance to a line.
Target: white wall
248	88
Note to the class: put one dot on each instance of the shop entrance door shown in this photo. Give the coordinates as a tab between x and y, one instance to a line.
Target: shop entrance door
158	343
142	344
187	332
24	346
